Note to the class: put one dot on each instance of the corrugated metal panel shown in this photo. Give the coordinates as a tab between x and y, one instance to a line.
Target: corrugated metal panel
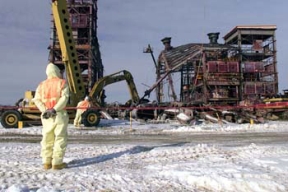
212	66
254	67
233	66
222	67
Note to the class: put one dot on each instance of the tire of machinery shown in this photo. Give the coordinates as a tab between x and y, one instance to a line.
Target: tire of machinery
10	118
91	118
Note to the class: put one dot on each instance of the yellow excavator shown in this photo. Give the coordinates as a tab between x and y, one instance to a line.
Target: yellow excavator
25	109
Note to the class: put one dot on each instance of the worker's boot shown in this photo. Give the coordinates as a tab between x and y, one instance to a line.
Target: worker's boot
47	166
60	166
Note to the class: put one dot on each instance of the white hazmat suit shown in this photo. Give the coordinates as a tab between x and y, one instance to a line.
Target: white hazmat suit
51	98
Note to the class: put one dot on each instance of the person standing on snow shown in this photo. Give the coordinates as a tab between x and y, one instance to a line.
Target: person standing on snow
82	106
51	98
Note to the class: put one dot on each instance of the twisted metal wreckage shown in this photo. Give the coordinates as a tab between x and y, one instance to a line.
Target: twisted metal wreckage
232	82
219	82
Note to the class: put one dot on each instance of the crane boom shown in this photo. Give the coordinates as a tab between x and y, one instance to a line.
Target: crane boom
69	56
91	117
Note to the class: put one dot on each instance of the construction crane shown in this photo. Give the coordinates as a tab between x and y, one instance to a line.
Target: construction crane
25	109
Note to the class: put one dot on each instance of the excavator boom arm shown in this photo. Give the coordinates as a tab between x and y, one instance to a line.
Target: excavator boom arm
95	93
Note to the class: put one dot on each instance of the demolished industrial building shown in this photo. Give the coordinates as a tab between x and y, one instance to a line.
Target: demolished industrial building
234	81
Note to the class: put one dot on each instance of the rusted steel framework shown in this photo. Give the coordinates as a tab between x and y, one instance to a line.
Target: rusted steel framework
175	56
203	72
258	59
83	17
243	67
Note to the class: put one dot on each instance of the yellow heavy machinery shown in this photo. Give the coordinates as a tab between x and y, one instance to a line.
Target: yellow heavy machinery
26	111
98	93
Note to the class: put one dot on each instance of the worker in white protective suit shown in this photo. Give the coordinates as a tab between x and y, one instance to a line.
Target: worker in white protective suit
51	98
82	106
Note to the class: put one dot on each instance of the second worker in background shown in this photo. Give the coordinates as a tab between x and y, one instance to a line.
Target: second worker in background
82	106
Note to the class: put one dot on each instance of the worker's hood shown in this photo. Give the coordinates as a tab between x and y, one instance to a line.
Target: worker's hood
52	71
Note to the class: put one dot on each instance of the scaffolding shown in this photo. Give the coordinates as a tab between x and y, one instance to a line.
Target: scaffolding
83	17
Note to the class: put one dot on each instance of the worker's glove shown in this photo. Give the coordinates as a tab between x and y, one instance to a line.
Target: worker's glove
49	113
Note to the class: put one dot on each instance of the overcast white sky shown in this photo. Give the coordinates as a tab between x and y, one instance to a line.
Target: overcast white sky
124	28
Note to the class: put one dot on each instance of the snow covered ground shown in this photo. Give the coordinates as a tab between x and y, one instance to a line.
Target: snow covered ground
151	166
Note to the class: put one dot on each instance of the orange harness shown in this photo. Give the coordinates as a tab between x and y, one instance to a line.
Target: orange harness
50	91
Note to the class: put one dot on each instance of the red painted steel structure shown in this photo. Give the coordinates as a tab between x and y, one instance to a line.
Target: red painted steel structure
257	57
244	67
